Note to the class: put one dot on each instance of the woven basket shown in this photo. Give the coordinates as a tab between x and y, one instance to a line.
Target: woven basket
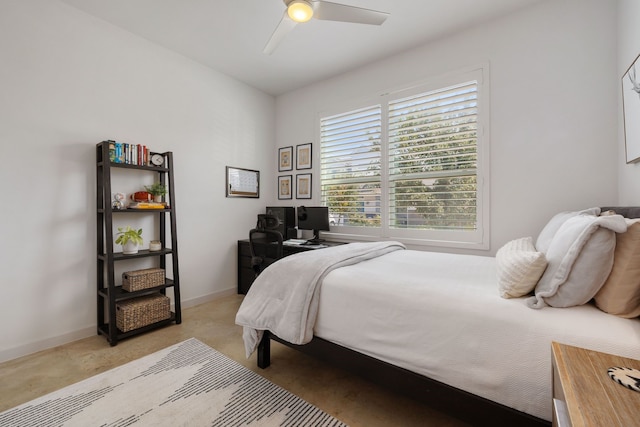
142	279
138	312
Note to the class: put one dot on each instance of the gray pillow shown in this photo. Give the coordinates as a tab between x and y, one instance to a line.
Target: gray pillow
551	228
579	258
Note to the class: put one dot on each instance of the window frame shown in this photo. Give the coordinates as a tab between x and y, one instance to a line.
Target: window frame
478	239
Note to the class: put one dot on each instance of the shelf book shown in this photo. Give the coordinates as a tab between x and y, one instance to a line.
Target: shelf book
130	154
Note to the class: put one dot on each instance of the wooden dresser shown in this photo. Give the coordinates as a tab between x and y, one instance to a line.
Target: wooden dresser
583	393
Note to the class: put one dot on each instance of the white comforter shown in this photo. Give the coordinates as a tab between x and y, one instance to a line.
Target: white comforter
284	298
440	315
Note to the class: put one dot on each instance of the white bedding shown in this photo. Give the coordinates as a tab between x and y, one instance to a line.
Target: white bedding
284	298
441	315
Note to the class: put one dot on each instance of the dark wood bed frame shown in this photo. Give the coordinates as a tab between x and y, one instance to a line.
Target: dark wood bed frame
460	404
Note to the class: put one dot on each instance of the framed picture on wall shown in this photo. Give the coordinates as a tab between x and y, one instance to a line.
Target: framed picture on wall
242	182
285	190
303	156
631	108
285	159
303	186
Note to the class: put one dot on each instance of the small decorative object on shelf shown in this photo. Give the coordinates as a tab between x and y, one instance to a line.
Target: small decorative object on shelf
119	201
129	238
157	190
142	279
140	303
156	159
143	311
141	196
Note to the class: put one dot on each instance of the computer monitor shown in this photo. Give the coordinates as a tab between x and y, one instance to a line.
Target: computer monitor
314	218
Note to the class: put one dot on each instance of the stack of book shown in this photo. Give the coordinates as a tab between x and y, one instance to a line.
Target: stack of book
131	154
148	205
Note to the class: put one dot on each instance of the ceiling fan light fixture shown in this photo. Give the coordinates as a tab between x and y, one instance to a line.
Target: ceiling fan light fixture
300	10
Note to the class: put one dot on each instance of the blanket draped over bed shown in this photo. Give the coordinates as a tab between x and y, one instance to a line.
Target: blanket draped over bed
284	298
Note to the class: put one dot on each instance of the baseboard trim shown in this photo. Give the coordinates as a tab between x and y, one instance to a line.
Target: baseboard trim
36	346
209	297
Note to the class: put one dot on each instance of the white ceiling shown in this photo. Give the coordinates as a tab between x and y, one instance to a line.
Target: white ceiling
229	35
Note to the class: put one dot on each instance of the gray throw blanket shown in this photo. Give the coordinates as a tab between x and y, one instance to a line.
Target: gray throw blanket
284	297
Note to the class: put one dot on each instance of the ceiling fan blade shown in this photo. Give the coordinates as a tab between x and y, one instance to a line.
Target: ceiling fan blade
284	27
341	12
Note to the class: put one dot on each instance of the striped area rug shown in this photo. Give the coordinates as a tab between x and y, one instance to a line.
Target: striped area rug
187	384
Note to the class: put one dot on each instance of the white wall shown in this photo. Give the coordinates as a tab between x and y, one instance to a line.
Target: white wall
69	81
628	50
553	107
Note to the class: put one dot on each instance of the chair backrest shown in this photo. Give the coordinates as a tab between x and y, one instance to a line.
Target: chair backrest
267	222
264	244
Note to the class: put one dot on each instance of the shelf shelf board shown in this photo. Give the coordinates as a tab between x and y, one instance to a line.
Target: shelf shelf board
141	167
121	295
142	253
137	210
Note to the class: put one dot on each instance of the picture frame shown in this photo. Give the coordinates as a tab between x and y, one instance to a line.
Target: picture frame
303	156
303	186
242	182
285	159
285	187
630	83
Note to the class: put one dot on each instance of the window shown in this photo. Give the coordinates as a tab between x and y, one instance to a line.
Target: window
409	166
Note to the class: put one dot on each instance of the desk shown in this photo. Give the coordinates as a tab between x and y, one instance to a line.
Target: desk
245	272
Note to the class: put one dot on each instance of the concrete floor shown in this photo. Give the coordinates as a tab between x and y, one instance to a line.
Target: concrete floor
352	400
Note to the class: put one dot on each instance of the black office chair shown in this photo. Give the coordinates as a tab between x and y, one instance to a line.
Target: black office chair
265	243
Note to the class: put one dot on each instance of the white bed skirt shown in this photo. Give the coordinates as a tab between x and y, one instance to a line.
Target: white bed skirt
440	315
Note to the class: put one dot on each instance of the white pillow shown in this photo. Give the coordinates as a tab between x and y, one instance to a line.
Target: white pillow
546	235
579	258
519	267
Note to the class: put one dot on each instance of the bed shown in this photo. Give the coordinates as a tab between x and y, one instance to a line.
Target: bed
434	325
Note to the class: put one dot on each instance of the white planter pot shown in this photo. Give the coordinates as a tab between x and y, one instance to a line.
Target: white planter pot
157	199
130	248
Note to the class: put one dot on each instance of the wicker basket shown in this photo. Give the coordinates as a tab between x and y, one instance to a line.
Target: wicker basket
142	279
138	312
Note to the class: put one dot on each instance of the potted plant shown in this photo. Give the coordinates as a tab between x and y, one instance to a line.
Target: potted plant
157	190
129	238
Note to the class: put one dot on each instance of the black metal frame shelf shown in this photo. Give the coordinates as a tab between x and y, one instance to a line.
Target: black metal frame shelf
108	294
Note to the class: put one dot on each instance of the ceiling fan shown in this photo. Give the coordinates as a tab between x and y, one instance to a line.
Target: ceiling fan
299	11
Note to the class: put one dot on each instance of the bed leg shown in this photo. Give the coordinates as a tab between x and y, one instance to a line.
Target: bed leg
264	351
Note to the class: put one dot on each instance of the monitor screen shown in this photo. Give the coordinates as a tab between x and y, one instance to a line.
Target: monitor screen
314	218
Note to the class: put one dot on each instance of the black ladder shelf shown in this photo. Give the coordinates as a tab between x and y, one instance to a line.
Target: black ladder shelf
108	293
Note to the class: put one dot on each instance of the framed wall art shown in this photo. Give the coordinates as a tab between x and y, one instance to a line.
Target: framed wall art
285	159
242	182
285	191
303	156
631	108
303	186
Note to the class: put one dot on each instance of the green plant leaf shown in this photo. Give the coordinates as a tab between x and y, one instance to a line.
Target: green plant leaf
156	189
128	233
